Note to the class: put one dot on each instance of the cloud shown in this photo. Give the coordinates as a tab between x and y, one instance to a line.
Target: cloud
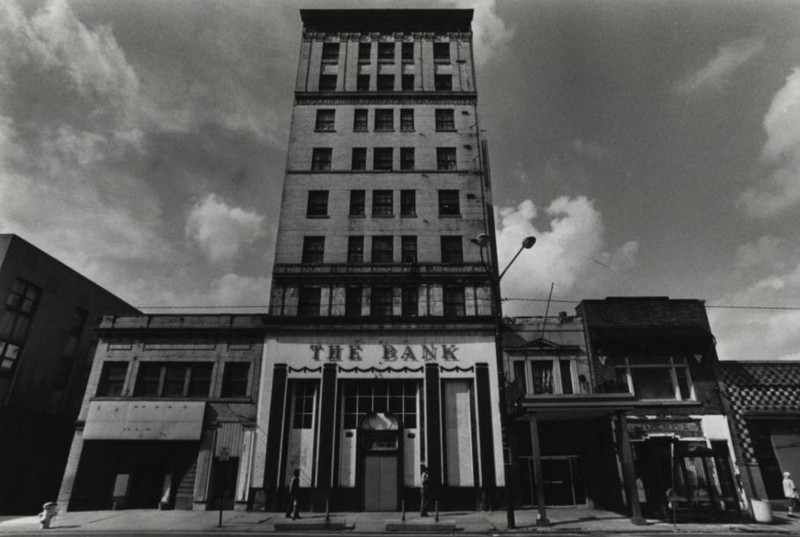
716	74
573	253
780	189
766	273
490	33
221	230
589	149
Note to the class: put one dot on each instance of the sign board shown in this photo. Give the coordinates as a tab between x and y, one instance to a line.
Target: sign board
224	454
641	430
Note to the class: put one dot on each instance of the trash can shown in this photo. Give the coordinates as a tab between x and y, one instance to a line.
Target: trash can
762	511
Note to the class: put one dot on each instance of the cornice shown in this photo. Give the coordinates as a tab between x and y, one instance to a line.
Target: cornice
315	98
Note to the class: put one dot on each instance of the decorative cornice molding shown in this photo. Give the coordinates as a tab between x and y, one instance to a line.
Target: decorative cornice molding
378	37
380	369
404	98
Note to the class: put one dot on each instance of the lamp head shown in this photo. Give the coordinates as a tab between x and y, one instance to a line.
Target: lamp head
481	240
528	242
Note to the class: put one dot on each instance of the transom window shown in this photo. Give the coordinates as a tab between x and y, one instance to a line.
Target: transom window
326	120
362	397
659	378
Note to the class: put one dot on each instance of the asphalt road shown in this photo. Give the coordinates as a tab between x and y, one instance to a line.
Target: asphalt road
67	533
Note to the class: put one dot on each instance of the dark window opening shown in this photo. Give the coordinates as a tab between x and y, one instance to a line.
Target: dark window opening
326	120
359	158
330	52
355	249
321	159
317	203
308	301
327	82
381	299
406	158
362	82
408	203
449	203
112	379
445	120
406	119
454	303
408	249
385	82
361	120
382	249
445	158
234	379
443	82
357	202
382	159
452	251
441	51
313	249
364	51
382	203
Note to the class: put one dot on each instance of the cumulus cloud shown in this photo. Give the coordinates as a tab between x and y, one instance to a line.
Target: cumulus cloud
779	190
766	273
573	253
490	33
222	230
716	74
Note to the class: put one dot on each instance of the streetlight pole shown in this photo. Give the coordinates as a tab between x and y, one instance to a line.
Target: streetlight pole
483	241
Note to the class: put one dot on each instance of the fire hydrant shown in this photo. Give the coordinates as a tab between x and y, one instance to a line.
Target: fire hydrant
49	512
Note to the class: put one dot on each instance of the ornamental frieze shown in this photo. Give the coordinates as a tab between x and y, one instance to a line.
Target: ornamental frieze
361	99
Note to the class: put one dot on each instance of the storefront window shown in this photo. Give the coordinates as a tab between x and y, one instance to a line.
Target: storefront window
303	415
397	397
668	379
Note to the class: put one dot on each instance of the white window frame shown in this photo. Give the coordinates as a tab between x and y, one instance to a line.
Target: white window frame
558	385
672	363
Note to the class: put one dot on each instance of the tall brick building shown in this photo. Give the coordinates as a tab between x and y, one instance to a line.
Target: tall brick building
387	360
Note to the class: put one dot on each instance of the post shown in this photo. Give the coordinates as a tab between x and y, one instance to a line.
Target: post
537	471
403	505
628	471
436	506
223	460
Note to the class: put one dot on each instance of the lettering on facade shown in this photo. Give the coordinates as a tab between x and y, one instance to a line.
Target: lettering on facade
387	353
685	429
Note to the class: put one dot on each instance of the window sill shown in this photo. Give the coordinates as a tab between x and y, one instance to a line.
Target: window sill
324	130
383	130
408	216
407	130
357	215
382	216
317	216
447	130
449	216
360	130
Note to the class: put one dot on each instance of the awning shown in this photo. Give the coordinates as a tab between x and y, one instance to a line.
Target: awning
230	437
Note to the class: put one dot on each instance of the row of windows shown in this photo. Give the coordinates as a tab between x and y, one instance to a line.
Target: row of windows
384	120
452	251
383	203
382	159
381	301
386	52
385	82
156	379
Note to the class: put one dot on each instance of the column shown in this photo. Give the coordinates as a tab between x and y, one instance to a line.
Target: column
327	435
276	413
71	470
433	429
628	470
541	520
485	428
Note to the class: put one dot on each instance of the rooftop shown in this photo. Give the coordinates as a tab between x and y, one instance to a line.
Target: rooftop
387	20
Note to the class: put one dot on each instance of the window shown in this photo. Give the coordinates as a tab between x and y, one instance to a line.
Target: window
15	321
382	249
303	411
407	82
325	120
362	397
406	158
172	380
112	379
448	203
443	82
357	202
452	251
408	203
328	82
382	203
321	159
308	301
362	83
352	301
408	246
385	82
313	249
330	52
364	51
384	119
361	120
317	203
668	379
407	52
441	51
355	249
410	301
445	158
359	158
234	379
386	51
454	302
445	120
382	159
407	119
552	375
381	299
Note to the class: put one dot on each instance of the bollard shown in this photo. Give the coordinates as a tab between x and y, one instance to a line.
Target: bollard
403	507
327	510
436	506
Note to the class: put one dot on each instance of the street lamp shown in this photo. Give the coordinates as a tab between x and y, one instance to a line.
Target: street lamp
483	241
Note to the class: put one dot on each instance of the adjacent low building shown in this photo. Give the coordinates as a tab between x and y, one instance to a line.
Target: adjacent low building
47	343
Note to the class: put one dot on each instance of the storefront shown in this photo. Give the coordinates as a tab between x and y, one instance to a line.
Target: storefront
359	417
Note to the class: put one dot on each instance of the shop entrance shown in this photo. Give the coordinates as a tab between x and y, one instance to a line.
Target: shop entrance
562	479
380	446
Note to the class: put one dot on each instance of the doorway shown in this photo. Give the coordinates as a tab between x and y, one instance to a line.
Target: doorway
380	446
562	479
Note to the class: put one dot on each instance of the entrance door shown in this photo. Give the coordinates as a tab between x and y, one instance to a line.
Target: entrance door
380	483
562	479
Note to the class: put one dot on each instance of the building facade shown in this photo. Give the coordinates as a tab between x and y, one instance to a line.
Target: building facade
392	351
641	374
763	399
46	348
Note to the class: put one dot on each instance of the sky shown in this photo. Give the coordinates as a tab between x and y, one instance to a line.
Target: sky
653	148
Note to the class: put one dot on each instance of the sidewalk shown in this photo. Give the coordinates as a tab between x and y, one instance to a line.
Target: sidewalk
563	520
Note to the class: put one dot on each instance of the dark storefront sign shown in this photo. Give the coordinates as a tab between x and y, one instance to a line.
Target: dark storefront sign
640	430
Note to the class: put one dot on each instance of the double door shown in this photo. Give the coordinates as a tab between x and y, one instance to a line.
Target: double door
381	470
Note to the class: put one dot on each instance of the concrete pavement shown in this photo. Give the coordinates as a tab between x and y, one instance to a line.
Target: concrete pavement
563	520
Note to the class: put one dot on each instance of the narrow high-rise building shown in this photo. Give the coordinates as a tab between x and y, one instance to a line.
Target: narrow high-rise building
386	360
